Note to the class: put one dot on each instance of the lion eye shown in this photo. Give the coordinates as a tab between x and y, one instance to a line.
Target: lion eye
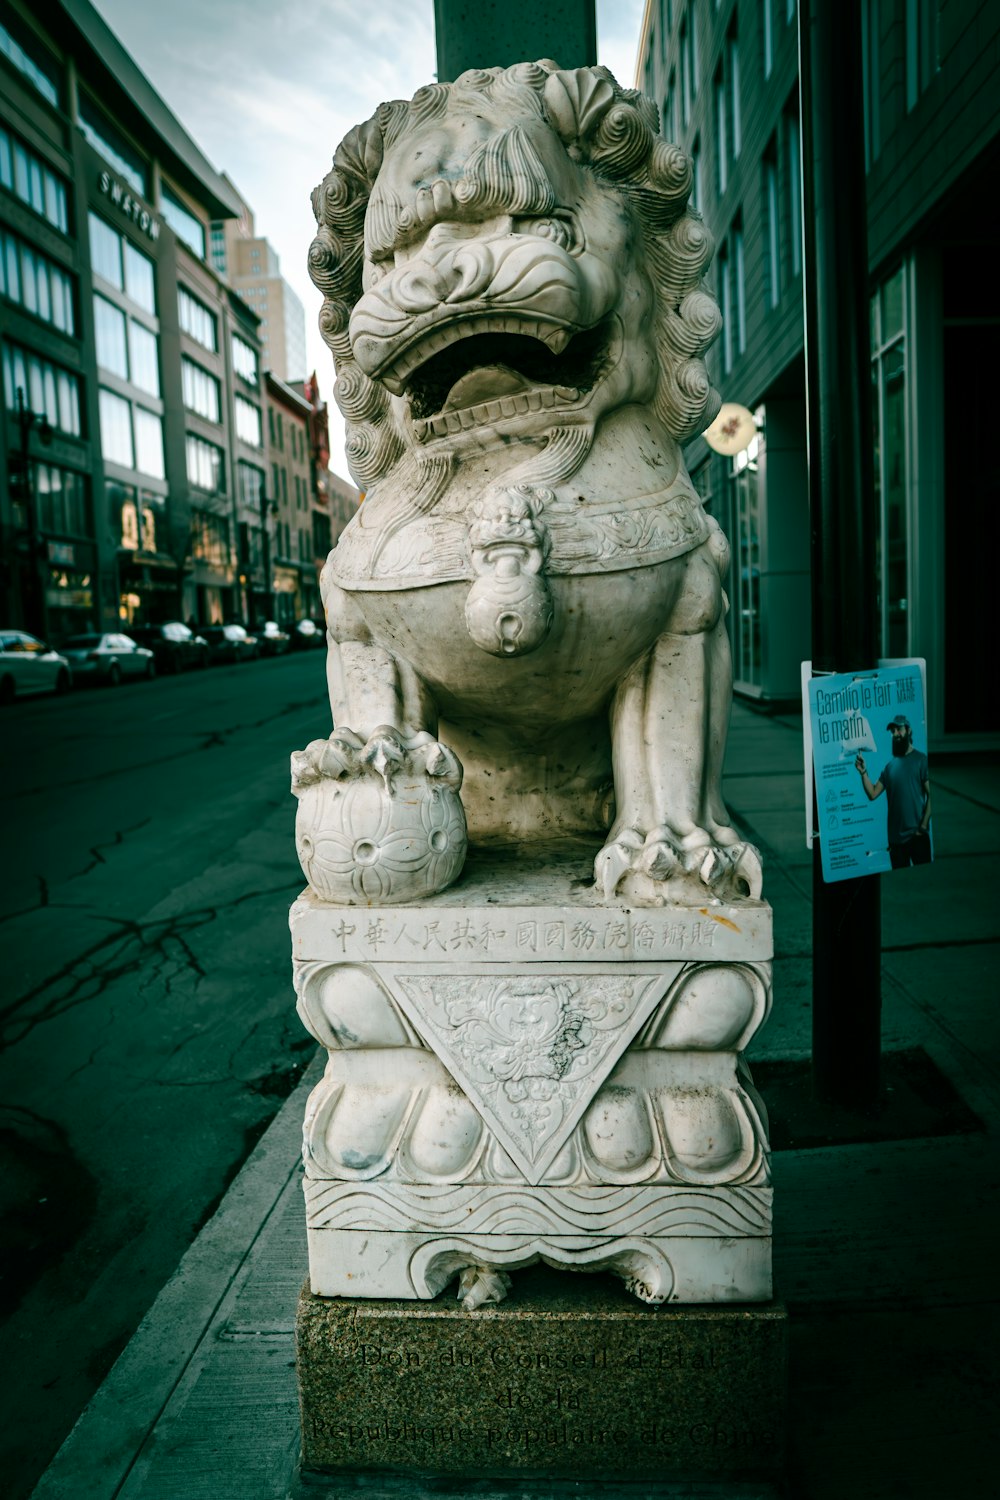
559	231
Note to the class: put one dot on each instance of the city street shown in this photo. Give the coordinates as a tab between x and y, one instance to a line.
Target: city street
148	1020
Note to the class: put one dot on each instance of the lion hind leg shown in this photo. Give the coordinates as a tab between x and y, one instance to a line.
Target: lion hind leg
672	836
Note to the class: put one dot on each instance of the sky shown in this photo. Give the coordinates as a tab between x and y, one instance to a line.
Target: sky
268	89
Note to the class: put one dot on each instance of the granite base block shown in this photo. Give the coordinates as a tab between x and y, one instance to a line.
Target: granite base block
569	1377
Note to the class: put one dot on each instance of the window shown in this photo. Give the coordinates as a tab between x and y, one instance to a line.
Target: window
772	227
721	132
210	538
35	283
109	142
205	466
767	35
921	47
250	486
182	221
889	398
793	178
125	347
117	261
116	430
726	304
739	284
41	71
745	570
688	66
248	422
106	252
130	436
670	108
200	391
733	91
732	295
62	499
112	340
696	174
140	285
196	321
49	391
144	357
28	178
244	360
148	443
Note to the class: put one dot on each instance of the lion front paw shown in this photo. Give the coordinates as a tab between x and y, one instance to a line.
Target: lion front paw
378	821
661	868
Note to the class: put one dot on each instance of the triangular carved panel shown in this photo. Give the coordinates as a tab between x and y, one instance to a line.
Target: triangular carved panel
531	1050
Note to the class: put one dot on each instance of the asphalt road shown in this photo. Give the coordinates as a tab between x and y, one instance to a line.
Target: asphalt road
147	1026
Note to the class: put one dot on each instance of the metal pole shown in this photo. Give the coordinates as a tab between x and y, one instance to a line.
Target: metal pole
266	550
846	915
26	419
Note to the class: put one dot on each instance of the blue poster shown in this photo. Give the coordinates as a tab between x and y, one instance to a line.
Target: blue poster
869	749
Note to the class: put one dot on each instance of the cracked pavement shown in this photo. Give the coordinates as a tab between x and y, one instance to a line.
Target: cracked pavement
147	1019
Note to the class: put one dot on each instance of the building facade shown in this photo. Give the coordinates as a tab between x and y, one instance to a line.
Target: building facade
248	262
724	74
295	580
131	393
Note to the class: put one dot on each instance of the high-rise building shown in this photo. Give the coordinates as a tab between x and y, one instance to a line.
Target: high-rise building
251	266
132	406
725	76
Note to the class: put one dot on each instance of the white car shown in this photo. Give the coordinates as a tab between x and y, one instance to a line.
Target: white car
108	658
27	665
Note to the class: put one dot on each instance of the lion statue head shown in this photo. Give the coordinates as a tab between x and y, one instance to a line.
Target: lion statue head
504	260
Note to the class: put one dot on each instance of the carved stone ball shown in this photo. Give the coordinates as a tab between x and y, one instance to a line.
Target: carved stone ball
357	843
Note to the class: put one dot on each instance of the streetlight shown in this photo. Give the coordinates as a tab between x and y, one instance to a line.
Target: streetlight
26	420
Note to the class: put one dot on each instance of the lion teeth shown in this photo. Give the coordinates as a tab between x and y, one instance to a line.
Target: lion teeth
488	412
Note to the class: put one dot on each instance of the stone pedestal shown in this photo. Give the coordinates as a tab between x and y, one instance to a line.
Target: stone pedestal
520	1072
568	1378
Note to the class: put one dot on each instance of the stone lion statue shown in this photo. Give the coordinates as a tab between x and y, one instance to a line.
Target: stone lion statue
528	606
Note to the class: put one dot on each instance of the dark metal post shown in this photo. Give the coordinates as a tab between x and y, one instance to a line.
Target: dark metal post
473	35
846	915
265	510
26	420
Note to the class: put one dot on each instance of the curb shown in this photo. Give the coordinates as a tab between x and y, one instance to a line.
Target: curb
96	1458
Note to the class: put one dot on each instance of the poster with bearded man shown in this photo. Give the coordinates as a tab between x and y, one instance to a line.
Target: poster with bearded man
873	796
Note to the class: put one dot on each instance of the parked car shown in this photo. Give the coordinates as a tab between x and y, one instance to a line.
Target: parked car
174	645
272	640
230	643
27	665
108	658
307	635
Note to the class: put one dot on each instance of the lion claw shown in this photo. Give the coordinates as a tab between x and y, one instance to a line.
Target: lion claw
659	858
480	1285
383	753
614	860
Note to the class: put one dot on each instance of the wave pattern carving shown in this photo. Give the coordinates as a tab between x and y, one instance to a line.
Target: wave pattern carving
736	1212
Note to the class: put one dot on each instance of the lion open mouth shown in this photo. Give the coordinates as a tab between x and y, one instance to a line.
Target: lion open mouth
481	378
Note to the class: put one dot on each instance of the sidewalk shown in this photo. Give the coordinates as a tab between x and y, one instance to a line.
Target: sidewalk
884	1248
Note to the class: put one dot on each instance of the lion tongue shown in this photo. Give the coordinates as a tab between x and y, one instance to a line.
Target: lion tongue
484	384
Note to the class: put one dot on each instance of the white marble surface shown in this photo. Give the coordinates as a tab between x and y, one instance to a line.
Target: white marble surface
533	943
531	594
